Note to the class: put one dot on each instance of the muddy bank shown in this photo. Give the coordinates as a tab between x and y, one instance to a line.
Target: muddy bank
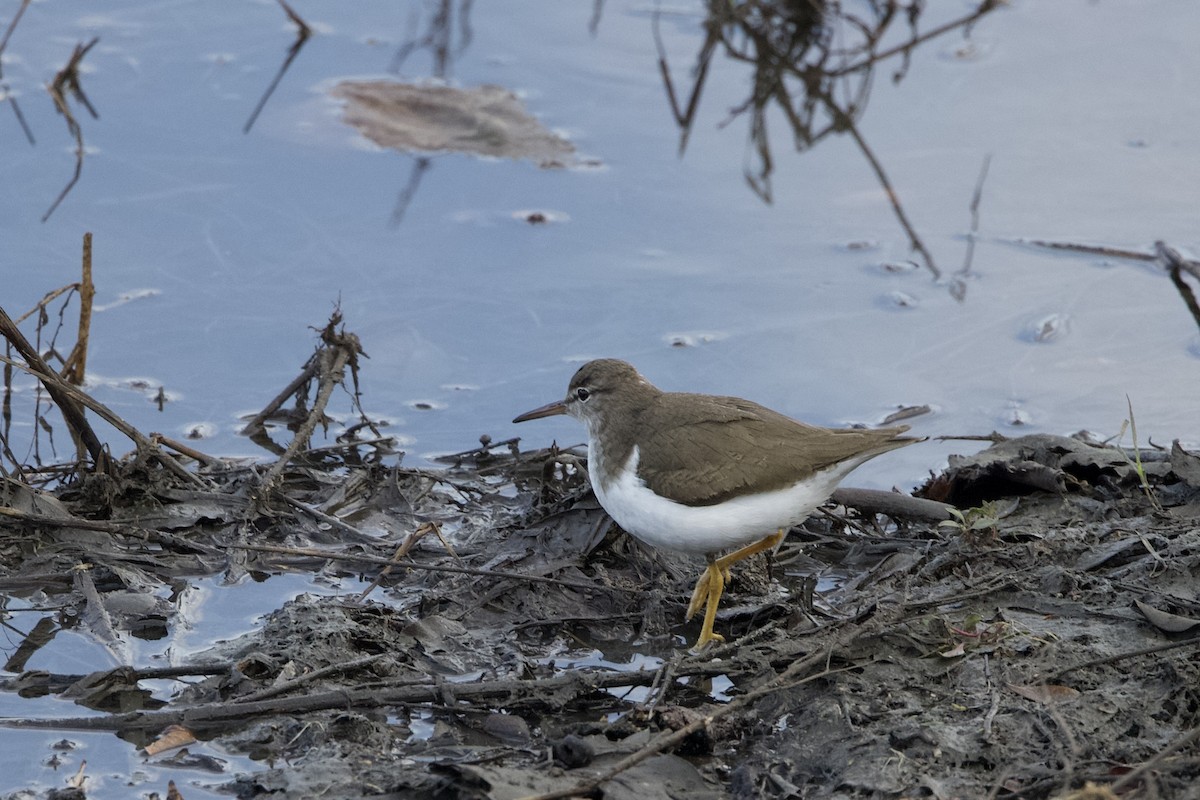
521	646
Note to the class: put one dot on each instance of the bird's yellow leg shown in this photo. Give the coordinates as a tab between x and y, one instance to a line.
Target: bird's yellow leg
701	590
725	562
716	585
698	594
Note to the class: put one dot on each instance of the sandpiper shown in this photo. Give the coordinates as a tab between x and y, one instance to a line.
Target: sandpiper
704	473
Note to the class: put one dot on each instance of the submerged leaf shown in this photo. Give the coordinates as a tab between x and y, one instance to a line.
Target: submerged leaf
484	120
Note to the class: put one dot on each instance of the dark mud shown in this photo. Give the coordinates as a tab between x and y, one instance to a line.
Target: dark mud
521	646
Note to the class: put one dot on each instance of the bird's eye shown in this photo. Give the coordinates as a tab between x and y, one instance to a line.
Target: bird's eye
582	394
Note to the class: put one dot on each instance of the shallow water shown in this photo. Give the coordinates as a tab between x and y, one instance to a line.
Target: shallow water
246	239
209	612
215	250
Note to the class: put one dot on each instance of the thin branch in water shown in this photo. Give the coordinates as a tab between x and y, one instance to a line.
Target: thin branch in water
5	92
686	117
913	238
11	27
41	425
303	32
256	427
1175	260
67	81
420	166
1177	265
1185	264
339	352
1090	249
593	23
958	289
439	39
71	410
6	420
76	364
302	27
985	7
821	88
71	401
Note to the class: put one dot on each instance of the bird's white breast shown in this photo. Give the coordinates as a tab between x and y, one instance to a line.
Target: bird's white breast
662	522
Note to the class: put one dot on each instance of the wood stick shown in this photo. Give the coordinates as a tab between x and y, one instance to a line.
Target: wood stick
787	679
59	391
76	365
310	552
894	504
57	387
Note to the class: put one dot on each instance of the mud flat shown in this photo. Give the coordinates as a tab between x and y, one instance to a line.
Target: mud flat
513	643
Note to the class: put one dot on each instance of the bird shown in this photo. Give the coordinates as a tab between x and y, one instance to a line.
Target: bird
705	474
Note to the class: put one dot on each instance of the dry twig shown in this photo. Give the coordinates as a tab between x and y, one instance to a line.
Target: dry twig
340	350
309	552
70	400
76	364
789	678
1176	266
65	396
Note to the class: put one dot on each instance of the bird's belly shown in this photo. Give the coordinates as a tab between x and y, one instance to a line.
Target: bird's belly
662	522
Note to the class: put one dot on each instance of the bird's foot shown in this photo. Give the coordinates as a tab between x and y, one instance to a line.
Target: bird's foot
709	587
700	593
704	639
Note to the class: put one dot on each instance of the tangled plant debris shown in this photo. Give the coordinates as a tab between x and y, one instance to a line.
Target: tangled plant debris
1040	637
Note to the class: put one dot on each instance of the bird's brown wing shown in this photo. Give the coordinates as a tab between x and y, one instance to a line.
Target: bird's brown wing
701	450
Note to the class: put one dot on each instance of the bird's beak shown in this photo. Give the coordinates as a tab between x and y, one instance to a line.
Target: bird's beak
548	410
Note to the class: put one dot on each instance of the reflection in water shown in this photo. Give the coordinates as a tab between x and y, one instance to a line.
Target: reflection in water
5	92
303	31
1167	257
419	167
67	82
40	635
439	38
813	62
421	118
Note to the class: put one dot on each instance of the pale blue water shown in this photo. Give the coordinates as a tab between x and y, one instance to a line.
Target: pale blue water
233	244
206	613
248	239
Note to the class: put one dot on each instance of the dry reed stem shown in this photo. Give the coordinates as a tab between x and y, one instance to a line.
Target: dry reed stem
76	365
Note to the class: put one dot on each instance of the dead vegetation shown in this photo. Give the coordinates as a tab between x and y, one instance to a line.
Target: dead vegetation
813	63
508	642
